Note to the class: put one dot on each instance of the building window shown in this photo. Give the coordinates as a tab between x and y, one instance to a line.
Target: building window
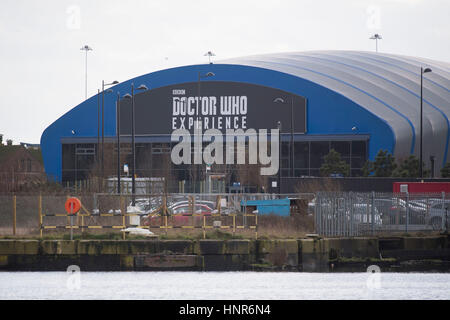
319	149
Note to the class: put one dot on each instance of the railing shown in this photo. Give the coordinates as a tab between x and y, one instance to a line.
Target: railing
106	211
355	214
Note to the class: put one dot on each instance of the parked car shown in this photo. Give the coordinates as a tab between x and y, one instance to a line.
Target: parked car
224	210
186	209
439	215
186	202
146	205
361	213
180	214
393	210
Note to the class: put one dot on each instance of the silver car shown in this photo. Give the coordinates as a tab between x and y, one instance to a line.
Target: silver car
439	215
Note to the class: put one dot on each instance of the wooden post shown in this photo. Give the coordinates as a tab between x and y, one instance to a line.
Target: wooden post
82	224
218	204
123	211
165	223
191	203
68	215
40	215
204	227
14	214
234	224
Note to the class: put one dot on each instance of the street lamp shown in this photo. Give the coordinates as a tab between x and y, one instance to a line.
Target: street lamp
98	128
422	71
279	155
202	76
281	100
133	146
118	141
103	119
376	37
87	49
209	54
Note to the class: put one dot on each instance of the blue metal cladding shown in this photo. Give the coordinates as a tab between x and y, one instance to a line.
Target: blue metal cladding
327	112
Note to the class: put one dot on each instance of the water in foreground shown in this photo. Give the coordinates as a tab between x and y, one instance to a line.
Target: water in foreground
222	285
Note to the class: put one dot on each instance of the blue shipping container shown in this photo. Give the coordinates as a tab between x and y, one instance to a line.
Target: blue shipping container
279	207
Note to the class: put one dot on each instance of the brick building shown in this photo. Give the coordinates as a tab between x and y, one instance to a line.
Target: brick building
19	167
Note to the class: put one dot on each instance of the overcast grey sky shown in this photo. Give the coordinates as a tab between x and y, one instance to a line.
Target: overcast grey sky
42	67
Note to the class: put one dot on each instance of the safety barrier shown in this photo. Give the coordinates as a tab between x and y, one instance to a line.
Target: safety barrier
236	212
161	214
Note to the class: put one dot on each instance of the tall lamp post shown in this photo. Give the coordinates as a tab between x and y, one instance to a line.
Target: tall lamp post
209	54
87	49
133	145
103	120
376	37
281	100
279	155
118	141
98	128
201	76
422	71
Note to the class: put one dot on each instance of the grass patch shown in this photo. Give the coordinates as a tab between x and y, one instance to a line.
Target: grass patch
94	236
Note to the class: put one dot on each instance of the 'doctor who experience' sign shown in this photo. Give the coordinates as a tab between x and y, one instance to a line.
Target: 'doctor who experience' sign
217	105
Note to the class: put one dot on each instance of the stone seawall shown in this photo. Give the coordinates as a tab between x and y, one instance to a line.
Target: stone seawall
308	255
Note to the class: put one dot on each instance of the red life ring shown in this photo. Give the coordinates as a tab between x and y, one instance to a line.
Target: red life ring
73	205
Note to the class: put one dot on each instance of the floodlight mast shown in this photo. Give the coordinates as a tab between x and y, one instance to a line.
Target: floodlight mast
87	49
376	37
209	54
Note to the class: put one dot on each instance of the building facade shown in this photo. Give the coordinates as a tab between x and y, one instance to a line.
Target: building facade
354	102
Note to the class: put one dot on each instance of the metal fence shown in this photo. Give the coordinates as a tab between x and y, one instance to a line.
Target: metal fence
334	214
356	214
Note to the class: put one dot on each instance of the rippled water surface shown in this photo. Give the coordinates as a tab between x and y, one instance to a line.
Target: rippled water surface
222	285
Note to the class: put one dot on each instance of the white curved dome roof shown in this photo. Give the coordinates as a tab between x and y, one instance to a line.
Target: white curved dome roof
386	85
